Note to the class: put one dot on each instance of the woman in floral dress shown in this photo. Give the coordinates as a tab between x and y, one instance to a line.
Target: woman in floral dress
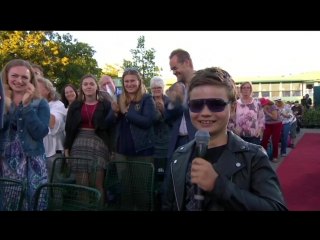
248	120
26	122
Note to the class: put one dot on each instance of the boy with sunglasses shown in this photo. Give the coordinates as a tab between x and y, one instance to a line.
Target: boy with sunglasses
234	175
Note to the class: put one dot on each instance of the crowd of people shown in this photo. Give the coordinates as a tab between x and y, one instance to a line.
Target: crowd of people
102	122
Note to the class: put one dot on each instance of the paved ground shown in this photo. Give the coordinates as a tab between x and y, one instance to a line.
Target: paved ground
299	136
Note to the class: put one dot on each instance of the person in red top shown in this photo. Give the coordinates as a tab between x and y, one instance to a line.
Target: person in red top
89	122
273	127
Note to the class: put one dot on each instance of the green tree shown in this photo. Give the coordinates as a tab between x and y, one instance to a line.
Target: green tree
111	70
143	59
64	59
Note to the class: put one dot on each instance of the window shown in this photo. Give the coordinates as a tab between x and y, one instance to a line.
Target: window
285	87
265	86
296	93
255	87
309	86
255	94
285	93
275	94
296	86
275	87
265	94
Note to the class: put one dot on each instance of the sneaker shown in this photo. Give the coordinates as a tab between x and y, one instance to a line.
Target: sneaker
283	155
275	160
292	146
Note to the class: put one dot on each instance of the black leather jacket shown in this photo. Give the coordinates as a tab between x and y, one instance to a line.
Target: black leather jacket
246	181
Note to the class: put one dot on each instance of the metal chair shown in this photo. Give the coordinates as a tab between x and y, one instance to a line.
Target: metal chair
66	197
72	170
130	186
12	194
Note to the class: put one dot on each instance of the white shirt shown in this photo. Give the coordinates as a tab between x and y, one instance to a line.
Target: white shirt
55	138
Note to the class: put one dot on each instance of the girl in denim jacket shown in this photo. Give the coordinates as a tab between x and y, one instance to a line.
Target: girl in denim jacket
26	122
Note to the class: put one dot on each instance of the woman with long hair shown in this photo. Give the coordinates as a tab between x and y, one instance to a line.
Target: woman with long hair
26	123
88	125
135	139
69	93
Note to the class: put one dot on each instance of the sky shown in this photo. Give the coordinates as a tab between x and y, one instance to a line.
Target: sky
241	53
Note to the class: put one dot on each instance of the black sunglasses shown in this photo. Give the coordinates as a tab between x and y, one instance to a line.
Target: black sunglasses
135	69
214	104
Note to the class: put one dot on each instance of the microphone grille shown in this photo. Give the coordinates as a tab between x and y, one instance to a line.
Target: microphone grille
202	137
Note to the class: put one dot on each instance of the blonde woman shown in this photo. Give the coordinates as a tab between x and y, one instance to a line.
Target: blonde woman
54	141
248	120
26	123
135	138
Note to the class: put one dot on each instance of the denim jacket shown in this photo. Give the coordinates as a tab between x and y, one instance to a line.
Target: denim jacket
141	116
1	103
32	125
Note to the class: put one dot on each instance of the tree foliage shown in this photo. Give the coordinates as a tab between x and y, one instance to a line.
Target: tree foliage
64	59
143	59
111	70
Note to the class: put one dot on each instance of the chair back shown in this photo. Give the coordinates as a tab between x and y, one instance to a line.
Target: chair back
74	170
12	194
66	197
129	186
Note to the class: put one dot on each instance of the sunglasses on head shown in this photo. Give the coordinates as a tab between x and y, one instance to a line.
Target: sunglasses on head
135	69
214	104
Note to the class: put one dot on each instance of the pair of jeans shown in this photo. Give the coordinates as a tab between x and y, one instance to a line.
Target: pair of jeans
284	137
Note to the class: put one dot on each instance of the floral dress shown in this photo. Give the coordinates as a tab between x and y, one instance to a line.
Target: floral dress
248	118
15	165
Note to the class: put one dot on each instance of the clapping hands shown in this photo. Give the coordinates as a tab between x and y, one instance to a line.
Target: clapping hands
176	93
28	95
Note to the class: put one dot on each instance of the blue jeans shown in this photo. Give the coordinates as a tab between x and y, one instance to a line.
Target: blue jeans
284	137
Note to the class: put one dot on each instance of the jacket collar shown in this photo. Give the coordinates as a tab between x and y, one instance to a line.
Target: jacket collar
230	163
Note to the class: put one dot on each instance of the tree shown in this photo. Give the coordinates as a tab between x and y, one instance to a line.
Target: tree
111	70
64	59
143	59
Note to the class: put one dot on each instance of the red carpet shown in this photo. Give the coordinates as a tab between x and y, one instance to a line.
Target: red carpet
299	175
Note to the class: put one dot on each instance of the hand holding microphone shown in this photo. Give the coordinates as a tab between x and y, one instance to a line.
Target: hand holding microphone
202	173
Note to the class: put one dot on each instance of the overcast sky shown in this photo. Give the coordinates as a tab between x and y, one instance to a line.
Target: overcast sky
241	53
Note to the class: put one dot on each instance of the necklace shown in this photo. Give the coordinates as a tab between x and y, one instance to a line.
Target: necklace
90	118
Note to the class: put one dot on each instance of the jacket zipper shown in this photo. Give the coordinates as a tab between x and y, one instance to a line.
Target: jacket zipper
174	188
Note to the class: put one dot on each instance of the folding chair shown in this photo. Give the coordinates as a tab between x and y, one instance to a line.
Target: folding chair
12	193
130	186
72	170
66	197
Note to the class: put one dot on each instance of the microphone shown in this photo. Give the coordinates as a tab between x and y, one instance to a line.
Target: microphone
202	138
